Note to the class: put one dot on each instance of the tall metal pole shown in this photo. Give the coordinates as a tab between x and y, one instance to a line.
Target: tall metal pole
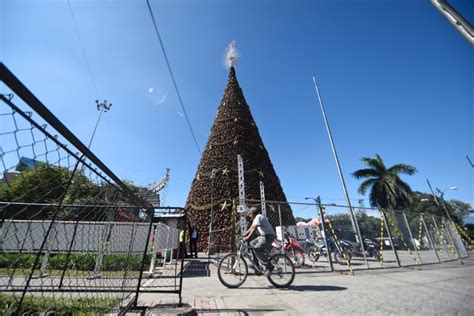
341	176
262	199
242	207
436	200
102	107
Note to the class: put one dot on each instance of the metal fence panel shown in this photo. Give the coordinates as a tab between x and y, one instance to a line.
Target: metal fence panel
73	236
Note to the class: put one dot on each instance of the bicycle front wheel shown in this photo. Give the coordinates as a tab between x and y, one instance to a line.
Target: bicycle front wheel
232	270
283	273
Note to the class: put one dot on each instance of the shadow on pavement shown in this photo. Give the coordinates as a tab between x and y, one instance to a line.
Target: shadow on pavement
247	311
299	288
196	268
316	288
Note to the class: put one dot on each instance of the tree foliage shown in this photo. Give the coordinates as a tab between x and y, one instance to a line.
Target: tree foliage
387	190
424	203
233	133
47	184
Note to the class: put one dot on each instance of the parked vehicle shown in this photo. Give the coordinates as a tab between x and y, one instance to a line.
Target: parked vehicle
290	247
340	253
294	250
372	248
386	243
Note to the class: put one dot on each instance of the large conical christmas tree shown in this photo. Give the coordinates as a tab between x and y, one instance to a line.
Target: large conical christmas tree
233	133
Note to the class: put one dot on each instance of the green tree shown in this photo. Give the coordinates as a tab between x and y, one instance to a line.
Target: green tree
423	203
47	184
458	210
387	190
44	184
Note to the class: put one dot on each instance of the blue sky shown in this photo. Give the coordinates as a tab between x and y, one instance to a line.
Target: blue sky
395	76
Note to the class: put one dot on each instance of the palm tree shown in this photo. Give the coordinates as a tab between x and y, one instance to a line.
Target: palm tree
387	190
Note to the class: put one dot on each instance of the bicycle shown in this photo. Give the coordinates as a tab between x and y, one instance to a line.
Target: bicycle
233	268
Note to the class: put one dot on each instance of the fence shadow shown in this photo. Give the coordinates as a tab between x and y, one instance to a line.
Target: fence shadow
195	269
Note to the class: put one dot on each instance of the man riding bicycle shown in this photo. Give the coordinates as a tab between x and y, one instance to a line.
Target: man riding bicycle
262	242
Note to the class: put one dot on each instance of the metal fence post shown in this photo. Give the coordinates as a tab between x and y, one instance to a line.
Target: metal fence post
457	238
448	232
44	264
361	241
411	236
151	215
234	236
185	220
389	233
73	238
442	242
102	251
154	250
45	239
428	234
323	225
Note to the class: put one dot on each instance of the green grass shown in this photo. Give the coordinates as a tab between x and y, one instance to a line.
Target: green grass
72	273
60	306
75	262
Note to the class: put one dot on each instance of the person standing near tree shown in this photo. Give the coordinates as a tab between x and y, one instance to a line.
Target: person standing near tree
182	244
193	239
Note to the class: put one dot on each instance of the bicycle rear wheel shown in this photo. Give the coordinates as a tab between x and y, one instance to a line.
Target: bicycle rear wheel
283	273
232	270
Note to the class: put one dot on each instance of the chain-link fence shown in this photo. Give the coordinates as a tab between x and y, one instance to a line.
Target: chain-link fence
73	236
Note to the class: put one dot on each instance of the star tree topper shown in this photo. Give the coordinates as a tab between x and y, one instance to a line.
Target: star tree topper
232	55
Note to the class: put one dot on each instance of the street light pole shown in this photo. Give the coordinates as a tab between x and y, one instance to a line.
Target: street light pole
338	165
102	108
441	195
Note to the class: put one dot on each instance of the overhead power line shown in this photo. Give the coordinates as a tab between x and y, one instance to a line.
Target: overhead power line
172	77
83	50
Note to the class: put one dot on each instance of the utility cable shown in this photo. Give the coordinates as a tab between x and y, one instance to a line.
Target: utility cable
172	76
83	50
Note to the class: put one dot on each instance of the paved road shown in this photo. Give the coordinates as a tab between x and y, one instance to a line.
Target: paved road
441	289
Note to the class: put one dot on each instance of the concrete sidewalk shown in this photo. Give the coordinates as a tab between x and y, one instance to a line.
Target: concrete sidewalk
441	289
